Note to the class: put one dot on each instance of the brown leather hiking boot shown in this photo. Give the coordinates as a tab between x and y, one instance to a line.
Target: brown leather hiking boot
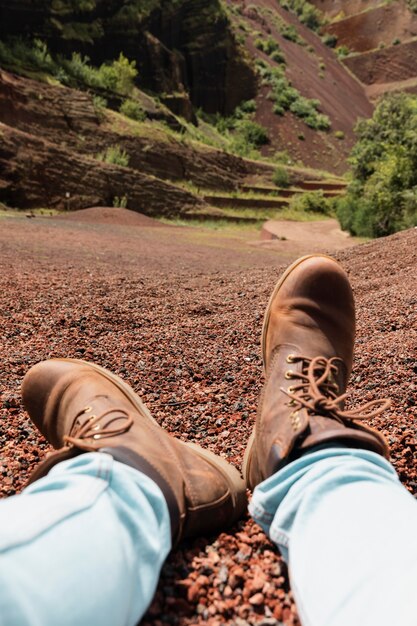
80	407
307	349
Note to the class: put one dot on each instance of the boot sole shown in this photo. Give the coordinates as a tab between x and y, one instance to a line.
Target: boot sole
236	484
281	280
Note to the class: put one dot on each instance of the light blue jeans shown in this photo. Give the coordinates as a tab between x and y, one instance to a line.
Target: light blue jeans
85	544
348	531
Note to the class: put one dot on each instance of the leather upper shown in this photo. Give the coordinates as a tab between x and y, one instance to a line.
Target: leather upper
310	314
79	407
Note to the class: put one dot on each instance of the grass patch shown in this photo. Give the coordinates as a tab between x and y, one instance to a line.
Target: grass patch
286	98
114	155
28	56
225	226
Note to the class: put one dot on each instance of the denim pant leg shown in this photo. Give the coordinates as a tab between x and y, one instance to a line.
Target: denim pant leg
348	531
82	546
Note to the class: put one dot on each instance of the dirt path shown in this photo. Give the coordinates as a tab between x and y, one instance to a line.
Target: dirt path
305	237
177	312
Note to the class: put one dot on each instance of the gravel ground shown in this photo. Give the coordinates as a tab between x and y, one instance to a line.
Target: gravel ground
177	313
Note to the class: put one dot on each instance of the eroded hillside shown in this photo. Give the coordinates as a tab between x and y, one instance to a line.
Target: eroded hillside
380	40
192	63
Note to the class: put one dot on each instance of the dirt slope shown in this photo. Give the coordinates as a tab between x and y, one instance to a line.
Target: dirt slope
180	318
344	8
383	25
397	63
36	172
111	215
382	37
315	71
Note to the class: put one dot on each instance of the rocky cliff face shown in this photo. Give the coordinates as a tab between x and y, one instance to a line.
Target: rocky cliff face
180	46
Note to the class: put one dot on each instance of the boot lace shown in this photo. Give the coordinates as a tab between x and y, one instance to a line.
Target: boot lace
111	423
318	391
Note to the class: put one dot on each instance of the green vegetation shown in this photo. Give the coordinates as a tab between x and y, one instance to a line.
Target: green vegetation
382	197
342	52
339	134
288	31
271	48
17	54
114	155
120	202
252	133
286	98
133	109
24	56
312	202
307	13
280	177
239	133
413	5
329	40
117	76
65	7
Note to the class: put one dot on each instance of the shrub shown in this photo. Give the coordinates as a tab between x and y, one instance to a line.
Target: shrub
100	105
286	98
120	202
132	109
248	106
118	76
329	40
311	17
339	134
18	54
342	51
289	32
280	177
253	133
307	110
307	13
114	155
382	197
283	156
311	202
271	48
279	57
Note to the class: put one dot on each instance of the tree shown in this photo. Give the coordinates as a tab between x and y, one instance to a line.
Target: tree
382	197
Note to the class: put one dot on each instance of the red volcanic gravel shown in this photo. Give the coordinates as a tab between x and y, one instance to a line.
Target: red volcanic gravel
179	317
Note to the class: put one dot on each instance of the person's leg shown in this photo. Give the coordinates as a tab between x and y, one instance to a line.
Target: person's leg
323	488
348	531
84	545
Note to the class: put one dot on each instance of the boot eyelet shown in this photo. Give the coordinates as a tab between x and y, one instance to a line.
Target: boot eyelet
290	389
290	358
288	374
